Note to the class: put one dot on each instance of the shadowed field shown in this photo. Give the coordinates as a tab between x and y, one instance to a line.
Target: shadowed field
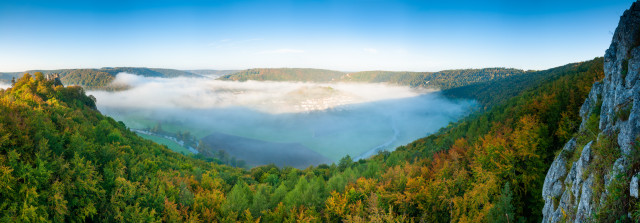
257	152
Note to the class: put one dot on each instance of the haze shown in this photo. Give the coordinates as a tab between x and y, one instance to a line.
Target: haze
332	120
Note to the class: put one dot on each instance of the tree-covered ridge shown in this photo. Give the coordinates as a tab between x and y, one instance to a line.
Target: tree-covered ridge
87	77
446	79
63	161
99	78
466	167
284	74
208	72
496	92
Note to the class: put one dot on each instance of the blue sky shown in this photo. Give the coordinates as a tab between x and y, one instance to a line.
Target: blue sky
341	35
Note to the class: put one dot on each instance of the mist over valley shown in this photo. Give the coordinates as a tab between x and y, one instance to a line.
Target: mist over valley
4	85
286	123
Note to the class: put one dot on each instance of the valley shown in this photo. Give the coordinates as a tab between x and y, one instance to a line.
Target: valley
323	118
320	111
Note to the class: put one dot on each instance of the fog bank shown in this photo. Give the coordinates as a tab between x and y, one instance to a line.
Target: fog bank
331	119
269	97
4	85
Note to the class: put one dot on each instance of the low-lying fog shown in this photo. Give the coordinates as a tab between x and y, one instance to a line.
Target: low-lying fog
4	85
328	121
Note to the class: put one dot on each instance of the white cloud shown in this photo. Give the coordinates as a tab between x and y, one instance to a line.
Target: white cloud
270	97
370	50
281	51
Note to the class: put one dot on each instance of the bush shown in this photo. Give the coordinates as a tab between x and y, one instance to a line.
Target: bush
623	113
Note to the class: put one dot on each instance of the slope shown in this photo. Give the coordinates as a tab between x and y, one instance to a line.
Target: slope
63	161
495	92
446	79
284	74
595	175
100	78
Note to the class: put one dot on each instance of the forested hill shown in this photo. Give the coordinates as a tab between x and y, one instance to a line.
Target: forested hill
442	80
445	79
285	74
497	91
448	79
212	73
61	160
96	78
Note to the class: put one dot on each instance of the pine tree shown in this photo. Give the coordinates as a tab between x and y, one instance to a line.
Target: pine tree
503	210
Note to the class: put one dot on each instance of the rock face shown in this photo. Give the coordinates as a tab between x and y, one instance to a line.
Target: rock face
569	195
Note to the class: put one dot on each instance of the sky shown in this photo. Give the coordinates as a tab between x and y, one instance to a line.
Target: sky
346	35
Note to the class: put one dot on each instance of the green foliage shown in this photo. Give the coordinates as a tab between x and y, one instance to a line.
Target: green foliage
239	199
495	92
345	163
87	77
446	79
284	74
514	140
101	78
61	160
605	151
503	210
624	112
615	206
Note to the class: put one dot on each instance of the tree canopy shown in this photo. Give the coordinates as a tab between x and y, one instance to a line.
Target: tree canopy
61	160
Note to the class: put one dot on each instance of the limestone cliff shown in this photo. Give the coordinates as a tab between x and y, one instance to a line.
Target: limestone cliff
594	177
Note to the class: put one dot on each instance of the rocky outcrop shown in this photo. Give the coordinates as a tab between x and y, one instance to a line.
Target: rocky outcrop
570	195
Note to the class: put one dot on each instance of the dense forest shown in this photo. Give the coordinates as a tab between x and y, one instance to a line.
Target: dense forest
446	79
495	92
100	78
284	74
64	161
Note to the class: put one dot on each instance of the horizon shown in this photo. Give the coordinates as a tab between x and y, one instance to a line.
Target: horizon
344	71
335	35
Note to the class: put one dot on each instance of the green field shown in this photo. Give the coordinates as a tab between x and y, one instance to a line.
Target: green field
335	144
170	144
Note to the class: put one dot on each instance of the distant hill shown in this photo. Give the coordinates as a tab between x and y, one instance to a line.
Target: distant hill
258	153
497	91
212	73
446	79
285	74
97	78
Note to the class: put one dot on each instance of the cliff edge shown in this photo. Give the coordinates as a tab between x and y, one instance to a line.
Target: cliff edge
595	175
